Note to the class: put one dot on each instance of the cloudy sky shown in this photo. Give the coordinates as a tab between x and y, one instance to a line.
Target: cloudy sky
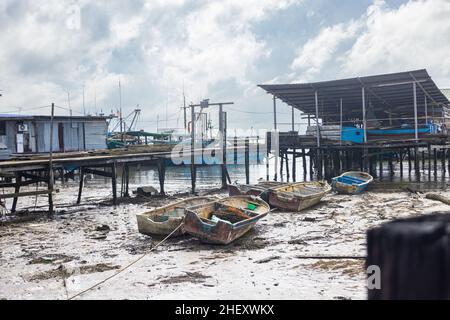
214	49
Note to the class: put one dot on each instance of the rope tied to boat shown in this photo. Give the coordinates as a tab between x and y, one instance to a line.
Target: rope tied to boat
127	266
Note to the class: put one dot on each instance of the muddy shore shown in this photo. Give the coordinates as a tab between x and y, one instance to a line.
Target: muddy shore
43	258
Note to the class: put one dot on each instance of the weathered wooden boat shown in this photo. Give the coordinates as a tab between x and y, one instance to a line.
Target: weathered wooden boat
298	196
223	221
253	189
163	221
352	182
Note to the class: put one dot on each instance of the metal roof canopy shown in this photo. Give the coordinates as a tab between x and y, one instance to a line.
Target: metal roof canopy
385	94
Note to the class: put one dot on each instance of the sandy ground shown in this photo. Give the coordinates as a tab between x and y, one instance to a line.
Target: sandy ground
57	258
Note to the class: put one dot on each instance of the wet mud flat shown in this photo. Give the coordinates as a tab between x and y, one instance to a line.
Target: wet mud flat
56	258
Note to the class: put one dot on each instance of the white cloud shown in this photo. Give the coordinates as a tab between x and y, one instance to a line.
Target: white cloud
150	45
412	36
318	51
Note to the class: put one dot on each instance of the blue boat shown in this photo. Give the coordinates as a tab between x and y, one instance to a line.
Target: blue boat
352	182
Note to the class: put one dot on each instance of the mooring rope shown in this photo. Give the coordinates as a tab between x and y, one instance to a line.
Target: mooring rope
129	265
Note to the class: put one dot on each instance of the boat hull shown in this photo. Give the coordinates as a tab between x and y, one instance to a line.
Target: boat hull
351	182
253	190
163	221
290	197
199	224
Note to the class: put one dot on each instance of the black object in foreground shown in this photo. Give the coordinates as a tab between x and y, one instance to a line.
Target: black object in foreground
413	256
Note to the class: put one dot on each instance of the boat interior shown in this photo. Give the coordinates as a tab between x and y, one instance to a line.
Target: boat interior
350	180
303	189
229	212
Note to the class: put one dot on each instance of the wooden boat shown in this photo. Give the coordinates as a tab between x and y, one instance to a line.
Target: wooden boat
298	196
352	182
223	221
163	221
253	189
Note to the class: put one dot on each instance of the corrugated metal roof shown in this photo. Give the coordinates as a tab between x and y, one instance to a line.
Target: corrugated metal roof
387	93
446	93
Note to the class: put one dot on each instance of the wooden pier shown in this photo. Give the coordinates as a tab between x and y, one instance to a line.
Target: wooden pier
37	170
428	158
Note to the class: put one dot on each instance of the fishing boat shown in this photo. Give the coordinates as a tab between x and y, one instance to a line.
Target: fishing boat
163	221
253	189
298	196
223	221
352	182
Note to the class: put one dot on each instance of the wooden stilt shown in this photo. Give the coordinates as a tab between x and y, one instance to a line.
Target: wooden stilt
401	163
288	176
80	189
294	165
127	181
162	176
305	173
114	182
16	191
435	162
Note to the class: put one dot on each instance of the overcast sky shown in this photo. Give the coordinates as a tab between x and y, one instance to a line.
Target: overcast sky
216	49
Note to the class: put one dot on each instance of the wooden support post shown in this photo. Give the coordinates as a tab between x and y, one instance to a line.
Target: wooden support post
429	162
423	160
443	169
16	191
162	176
311	164
390	166
416	162
305	173
247	161
288	176
281	166
294	165
80	189
401	163
114	182
409	161
435	162
127	181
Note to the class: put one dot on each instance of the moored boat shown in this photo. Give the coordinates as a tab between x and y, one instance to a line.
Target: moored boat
163	221
223	221
298	196
253	189
352	182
